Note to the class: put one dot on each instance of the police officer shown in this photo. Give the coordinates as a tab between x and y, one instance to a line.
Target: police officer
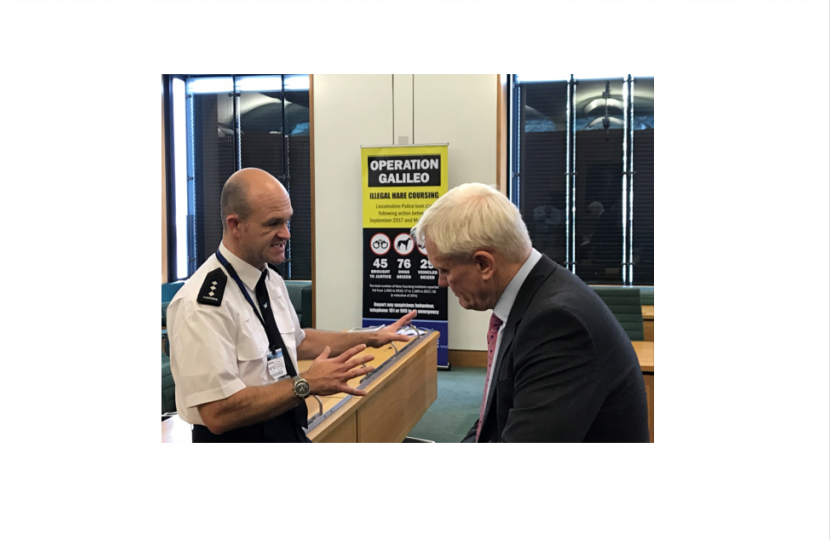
235	338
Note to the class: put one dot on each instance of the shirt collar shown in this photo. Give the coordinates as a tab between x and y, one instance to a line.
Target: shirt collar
508	297
248	274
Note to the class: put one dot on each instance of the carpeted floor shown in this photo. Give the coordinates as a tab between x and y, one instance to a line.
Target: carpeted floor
456	408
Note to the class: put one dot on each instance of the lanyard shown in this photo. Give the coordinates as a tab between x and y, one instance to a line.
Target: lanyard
238	281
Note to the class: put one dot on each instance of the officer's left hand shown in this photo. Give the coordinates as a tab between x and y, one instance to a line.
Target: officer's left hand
389	333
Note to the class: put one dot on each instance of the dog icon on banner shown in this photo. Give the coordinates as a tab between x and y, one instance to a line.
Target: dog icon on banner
404	244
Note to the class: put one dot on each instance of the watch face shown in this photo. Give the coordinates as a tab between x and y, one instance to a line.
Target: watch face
302	387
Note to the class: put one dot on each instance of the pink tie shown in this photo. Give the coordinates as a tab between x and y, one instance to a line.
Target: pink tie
492	334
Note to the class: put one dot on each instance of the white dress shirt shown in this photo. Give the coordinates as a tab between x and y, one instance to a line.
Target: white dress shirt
505	304
216	351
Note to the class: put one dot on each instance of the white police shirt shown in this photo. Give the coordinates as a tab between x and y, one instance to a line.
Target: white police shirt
217	350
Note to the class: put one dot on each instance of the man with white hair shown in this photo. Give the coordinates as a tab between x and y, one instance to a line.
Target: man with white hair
560	368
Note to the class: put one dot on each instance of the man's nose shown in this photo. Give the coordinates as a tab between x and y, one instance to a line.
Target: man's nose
284	232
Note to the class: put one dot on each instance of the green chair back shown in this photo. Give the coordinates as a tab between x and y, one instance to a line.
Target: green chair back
300	294
165	343
168	387
647	296
169	290
624	303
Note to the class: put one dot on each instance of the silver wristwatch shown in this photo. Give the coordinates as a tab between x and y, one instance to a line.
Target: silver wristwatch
301	388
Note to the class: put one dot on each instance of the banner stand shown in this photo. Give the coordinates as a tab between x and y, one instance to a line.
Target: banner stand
399	184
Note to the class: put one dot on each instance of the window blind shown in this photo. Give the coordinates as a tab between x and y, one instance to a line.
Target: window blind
597	203
272	133
643	166
541	166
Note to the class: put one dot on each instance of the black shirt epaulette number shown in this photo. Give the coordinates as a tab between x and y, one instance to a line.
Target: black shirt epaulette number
213	288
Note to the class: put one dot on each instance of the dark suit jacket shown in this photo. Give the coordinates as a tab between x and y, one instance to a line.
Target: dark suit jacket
566	370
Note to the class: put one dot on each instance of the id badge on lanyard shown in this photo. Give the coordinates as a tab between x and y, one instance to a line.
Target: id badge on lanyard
276	365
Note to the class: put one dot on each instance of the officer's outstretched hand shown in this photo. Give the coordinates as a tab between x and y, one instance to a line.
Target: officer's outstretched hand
389	333
328	376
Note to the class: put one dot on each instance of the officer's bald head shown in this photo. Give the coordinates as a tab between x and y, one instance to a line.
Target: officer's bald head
243	189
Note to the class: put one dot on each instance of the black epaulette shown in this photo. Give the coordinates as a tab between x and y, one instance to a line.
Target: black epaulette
213	288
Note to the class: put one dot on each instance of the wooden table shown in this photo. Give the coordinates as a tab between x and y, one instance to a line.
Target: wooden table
648	323
645	354
396	399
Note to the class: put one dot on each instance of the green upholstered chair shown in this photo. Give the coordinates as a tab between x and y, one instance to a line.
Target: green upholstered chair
168	387
624	303
164	314
300	294
647	296
169	290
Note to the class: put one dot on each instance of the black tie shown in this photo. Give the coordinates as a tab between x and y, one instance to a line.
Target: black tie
275	341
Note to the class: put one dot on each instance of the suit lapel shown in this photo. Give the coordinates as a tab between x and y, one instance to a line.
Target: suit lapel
534	280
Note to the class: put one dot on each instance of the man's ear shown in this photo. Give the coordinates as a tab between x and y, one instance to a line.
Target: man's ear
485	264
233	222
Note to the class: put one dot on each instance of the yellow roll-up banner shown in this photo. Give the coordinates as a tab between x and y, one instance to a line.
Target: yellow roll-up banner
399	184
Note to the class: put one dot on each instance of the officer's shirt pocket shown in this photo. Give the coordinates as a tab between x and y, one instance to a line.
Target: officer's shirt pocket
252	353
